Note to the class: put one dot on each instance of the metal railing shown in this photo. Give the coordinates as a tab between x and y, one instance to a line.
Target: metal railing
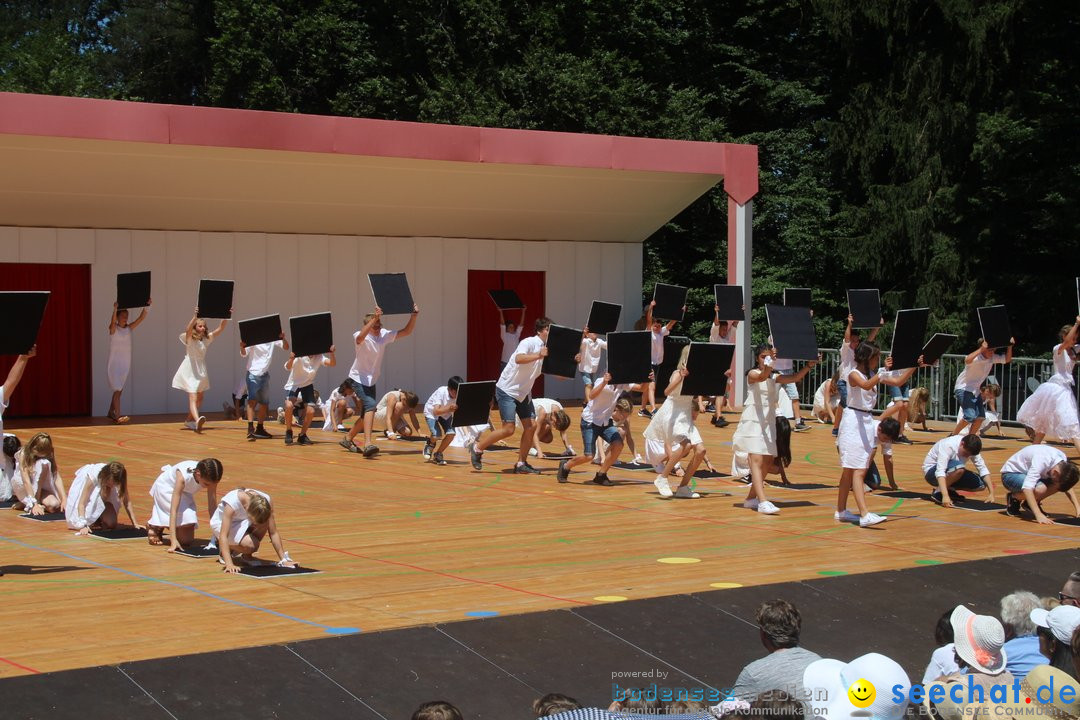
1018	379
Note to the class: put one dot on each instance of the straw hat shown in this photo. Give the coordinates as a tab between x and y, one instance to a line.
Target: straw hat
1039	698
979	640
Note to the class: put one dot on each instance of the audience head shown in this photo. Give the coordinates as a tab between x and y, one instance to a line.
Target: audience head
1070	591
553	704
780	624
437	710
1055	629
1016	612
827	682
978	640
943	634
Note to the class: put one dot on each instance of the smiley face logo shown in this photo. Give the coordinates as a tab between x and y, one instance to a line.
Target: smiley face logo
861	693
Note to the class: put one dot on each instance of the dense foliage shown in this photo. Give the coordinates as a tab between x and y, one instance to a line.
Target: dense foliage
925	148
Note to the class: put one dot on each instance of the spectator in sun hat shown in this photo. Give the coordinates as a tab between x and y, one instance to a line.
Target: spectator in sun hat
1055	629
827	682
1040	696
979	640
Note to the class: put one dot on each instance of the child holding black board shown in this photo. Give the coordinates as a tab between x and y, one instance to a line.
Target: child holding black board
191	376
673	424
659	331
968	388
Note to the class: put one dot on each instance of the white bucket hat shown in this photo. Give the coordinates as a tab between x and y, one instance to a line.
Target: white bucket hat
827	683
979	640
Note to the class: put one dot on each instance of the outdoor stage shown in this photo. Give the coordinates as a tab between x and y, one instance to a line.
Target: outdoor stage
401	543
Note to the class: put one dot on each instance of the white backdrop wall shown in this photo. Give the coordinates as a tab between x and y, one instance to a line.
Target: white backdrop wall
300	274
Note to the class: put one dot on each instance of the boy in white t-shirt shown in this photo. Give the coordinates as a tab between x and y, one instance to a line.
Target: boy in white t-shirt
512	396
371	342
968	388
439	413
722	332
1034	474
659	331
300	391
258	383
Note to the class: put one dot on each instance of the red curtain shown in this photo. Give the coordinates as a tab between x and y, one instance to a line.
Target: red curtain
484	338
58	380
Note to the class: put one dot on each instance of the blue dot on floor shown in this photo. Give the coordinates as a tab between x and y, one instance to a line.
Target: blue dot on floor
341	630
481	613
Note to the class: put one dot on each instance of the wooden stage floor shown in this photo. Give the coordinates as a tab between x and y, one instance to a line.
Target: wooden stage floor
402	543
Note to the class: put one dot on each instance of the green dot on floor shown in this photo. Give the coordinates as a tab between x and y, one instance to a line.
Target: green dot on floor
832	572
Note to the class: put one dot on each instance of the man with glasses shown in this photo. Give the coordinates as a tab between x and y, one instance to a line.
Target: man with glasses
1070	593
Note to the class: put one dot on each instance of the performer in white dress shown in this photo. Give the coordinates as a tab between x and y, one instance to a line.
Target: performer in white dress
119	363
859	434
174	500
97	492
246	516
756	432
1051	409
673	425
191	376
37	484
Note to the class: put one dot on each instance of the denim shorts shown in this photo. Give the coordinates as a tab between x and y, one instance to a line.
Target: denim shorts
971	404
841	385
258	388
306	393
591	431
366	395
899	393
509	407
1013	481
439	426
791	390
968	481
587	378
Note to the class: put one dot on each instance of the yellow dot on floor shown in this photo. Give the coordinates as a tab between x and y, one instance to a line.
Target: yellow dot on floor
609	598
438	477
678	560
724	585
548	492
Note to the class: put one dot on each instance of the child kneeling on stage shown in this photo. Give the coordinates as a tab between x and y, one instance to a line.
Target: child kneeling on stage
241	521
945	469
97	491
600	418
1034	474
174	500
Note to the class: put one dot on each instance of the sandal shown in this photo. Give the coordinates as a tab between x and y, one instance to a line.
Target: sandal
121	420
153	536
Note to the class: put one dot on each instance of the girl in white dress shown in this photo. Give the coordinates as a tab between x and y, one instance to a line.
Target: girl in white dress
37	484
174	500
191	376
859	434
756	432
240	522
391	410
673	425
1051	409
827	399
119	363
97	492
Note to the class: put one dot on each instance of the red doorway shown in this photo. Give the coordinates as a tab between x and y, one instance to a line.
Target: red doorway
58	380
484	339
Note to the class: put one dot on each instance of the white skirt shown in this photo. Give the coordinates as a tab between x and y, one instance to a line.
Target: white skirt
162	491
237	528
753	436
856	439
1051	410
95	505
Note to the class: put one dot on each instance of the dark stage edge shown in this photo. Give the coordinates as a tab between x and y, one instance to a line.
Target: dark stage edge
495	667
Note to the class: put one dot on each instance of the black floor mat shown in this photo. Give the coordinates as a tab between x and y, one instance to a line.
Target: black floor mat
622	465
265	571
123	533
198	551
47	517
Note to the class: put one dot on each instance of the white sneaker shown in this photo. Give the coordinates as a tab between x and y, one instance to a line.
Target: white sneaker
199	423
638	460
391	435
341	428
867	488
751	503
532	452
870	519
663	486
686	492
767	508
845	516
189	424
